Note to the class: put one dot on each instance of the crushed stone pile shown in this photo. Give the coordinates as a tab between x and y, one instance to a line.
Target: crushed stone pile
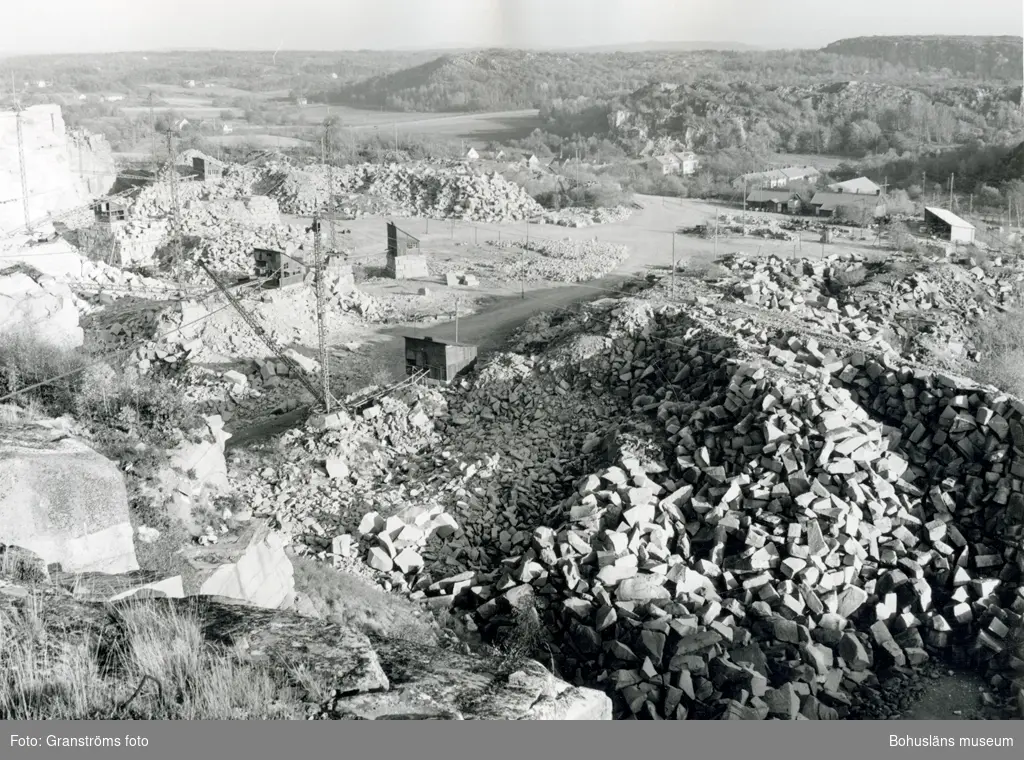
564	260
417	189
929	310
754	226
587	217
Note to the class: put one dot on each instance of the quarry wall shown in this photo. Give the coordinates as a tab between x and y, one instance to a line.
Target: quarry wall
63	168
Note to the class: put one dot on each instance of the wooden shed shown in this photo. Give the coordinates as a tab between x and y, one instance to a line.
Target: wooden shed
442	362
110	211
281	268
401	243
207	168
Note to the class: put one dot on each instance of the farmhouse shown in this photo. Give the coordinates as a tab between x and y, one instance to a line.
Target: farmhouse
688	162
947	225
778	201
472	155
665	164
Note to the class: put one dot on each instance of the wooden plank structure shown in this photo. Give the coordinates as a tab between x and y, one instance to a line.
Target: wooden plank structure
291	269
110	211
442	362
207	168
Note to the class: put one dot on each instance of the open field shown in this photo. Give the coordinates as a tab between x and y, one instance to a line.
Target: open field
822	162
258	139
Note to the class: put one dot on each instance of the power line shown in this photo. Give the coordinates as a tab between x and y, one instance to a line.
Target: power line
127	349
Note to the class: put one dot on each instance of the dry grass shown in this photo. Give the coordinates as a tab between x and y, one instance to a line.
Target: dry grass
1000	339
349	600
155	666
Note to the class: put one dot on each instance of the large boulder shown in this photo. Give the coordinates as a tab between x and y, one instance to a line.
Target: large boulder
44	308
62	500
196	471
251	567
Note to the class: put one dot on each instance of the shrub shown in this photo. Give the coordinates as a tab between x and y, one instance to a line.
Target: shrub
26	361
352	601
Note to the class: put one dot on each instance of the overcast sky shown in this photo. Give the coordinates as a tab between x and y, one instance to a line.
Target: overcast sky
54	26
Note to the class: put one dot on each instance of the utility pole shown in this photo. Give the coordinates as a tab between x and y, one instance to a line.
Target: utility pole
744	213
396	140
175	206
951	191
152	127
673	263
21	158
522	282
457	321
321	314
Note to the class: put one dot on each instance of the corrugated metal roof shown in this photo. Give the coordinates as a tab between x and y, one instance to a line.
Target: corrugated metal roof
948	217
830	201
858	185
761	196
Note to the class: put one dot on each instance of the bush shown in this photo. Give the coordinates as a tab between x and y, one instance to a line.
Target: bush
26	361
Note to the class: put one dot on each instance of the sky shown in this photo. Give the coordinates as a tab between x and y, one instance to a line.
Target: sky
69	26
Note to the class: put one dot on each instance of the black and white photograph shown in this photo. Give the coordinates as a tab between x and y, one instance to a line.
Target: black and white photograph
512	360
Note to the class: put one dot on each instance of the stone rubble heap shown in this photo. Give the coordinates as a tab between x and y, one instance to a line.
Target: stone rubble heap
419	189
563	260
765	227
586	217
348	464
398	542
929	308
789	546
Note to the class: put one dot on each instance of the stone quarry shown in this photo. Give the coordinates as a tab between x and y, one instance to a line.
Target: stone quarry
62	168
766	492
712	515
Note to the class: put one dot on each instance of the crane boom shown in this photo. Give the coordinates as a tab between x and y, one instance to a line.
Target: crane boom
257	328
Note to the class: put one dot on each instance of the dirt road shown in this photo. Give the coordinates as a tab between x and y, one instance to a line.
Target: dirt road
649	234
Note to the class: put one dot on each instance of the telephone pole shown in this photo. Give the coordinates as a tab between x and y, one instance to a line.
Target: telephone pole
673	263
176	248
21	161
951	191
152	127
321	314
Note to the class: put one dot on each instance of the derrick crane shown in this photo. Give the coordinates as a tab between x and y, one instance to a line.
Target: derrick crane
262	334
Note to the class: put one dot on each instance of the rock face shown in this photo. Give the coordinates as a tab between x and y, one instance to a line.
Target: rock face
196	470
45	308
254	569
51	175
63	501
